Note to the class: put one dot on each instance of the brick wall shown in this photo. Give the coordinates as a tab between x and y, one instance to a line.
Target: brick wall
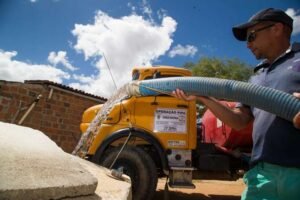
58	116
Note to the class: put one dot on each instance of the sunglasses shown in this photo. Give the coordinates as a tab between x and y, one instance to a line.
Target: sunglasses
252	35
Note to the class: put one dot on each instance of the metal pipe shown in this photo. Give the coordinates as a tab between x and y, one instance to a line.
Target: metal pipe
17	113
29	109
50	94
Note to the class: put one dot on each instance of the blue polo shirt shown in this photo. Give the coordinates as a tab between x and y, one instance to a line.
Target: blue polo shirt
276	140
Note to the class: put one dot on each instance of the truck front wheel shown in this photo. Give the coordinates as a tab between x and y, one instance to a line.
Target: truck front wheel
139	166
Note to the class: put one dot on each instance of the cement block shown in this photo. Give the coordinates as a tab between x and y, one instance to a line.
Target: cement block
108	188
34	167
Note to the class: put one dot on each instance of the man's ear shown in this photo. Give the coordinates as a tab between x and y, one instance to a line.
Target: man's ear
278	29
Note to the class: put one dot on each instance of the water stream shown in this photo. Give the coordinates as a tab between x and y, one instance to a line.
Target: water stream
89	135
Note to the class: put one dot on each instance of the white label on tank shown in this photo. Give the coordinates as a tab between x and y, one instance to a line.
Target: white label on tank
170	120
219	123
176	143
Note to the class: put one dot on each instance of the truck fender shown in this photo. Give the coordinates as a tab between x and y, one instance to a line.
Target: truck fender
137	133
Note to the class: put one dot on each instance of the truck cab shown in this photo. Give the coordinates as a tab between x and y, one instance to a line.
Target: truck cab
155	136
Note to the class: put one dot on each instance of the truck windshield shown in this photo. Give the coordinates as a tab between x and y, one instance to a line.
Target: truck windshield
135	75
162	76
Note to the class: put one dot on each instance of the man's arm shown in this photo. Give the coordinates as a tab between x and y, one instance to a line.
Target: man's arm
296	119
236	118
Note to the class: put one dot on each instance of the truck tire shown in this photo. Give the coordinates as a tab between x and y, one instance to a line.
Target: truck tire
139	166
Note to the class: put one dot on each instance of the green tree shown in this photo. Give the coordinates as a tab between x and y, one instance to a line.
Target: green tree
233	69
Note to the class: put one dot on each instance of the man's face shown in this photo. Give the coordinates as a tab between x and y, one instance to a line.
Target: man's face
259	40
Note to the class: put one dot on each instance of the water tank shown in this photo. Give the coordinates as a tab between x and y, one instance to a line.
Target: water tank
215	131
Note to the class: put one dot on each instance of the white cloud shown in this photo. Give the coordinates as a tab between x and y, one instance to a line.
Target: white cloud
161	13
83	79
13	70
292	13
33	1
146	9
126	42
132	7
60	57
180	50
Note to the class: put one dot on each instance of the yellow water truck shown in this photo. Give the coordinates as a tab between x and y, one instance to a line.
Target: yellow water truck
153	136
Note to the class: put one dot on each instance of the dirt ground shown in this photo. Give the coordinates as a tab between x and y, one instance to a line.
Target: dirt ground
205	190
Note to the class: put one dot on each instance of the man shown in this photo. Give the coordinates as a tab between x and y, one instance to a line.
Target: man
275	159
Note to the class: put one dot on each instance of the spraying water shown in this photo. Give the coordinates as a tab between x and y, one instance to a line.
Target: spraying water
89	135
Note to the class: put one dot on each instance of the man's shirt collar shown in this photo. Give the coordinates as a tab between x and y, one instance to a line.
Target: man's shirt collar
295	47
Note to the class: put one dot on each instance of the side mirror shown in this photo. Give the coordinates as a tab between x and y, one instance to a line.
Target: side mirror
156	75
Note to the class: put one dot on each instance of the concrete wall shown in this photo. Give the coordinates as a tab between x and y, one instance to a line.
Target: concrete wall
57	115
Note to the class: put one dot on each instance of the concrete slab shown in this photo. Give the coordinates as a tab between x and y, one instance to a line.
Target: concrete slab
108	188
34	167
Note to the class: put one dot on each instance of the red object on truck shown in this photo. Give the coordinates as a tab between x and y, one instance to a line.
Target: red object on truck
215	131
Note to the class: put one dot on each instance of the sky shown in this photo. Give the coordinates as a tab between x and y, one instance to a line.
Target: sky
79	43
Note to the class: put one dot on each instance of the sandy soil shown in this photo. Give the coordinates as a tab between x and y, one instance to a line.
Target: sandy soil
205	190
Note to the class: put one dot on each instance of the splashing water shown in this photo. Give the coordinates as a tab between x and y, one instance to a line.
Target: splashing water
89	135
